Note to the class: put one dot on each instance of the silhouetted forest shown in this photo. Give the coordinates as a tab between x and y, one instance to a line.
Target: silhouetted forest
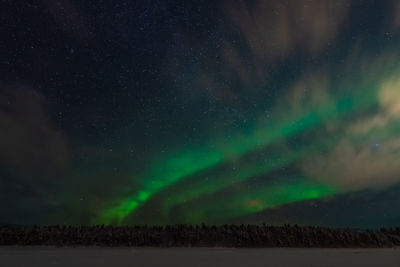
198	236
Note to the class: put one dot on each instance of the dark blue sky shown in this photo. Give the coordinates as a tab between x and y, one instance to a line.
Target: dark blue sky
180	111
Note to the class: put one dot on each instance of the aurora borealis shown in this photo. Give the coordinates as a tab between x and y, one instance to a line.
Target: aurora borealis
157	112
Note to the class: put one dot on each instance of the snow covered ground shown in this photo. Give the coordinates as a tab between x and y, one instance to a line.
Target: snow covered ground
92	256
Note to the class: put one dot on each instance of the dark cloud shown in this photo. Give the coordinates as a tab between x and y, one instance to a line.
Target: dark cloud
273	29
30	146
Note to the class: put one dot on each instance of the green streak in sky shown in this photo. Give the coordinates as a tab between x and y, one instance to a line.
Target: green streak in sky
249	168
228	176
184	164
168	172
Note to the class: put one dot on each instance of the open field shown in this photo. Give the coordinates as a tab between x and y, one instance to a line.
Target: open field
97	256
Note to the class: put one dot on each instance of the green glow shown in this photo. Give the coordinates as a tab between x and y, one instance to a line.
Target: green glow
254	200
216	154
177	167
228	176
257	166
117	214
166	173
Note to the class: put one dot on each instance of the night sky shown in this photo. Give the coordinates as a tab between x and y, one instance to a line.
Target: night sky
160	112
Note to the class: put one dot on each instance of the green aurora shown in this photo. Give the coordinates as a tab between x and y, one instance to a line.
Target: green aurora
228	111
213	156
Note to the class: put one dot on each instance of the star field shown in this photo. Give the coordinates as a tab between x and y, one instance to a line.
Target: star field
158	112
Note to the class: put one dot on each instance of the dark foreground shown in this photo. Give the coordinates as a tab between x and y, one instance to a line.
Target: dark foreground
80	256
250	236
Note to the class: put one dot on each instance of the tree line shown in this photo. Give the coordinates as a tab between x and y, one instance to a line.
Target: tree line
203	235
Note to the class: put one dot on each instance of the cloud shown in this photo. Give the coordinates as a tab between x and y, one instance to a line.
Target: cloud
30	146
396	15
352	167
367	155
311	90
389	102
274	28
265	33
389	97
